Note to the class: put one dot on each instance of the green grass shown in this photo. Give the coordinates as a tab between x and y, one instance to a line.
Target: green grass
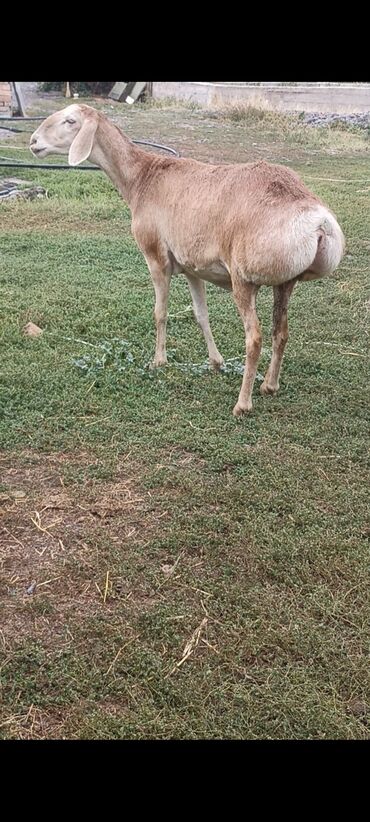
147	515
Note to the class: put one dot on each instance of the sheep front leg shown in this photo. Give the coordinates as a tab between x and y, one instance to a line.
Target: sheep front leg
282	295
245	297
161	282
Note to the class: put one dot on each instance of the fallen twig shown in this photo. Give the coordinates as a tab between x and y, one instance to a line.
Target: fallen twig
190	646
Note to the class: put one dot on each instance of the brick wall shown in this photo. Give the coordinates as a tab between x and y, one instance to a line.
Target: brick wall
5	96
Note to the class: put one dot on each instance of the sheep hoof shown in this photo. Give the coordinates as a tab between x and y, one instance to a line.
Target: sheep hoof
157	364
268	390
239	410
216	364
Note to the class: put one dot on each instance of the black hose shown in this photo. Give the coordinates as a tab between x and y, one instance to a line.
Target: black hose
32	119
49	166
24	118
54	166
140	142
157	145
16	130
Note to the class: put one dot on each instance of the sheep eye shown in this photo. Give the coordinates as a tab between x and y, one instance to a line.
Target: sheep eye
69	120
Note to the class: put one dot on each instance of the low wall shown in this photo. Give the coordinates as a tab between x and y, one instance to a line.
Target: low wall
317	97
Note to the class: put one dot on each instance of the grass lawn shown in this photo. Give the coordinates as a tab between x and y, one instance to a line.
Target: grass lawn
167	571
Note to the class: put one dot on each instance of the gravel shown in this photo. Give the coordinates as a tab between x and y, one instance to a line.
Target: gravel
320	119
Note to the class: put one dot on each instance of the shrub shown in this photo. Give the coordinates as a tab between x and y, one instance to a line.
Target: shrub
84	89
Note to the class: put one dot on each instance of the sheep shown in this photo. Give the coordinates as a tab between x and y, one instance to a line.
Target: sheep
239	226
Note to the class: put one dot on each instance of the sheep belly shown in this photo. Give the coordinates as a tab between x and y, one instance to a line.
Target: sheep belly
215	273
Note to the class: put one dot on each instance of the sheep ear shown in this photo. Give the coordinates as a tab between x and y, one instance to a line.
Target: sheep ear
83	142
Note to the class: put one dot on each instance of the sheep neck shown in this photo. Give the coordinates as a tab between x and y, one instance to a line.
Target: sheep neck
117	156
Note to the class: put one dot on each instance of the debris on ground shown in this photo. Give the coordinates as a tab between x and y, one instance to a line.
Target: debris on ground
317	118
10	191
32	330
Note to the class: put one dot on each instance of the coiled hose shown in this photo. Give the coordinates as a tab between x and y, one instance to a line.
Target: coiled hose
53	166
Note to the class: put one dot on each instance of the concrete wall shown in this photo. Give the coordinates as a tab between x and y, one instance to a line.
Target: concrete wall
341	98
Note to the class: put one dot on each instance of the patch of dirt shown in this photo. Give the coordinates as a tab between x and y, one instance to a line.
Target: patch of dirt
61	544
42	723
35	723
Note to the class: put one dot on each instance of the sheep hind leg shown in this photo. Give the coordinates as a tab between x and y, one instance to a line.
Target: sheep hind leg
282	295
198	294
245	297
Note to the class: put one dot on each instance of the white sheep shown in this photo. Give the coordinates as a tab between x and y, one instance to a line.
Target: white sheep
238	226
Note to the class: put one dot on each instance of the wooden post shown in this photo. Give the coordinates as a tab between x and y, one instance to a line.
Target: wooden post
19	99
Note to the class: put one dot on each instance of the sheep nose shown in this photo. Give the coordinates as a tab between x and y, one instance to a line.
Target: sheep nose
33	140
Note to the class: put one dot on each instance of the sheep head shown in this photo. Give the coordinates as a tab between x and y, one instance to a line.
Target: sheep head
70	131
